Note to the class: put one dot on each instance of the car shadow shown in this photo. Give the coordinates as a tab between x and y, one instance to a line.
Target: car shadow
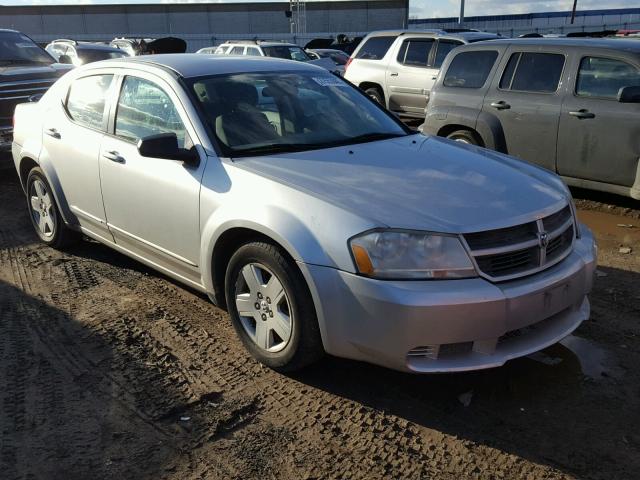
573	406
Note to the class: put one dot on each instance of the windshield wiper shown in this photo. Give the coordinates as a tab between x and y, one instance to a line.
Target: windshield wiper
277	148
367	137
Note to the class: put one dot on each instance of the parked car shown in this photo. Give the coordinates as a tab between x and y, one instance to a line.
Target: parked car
264	48
569	105
311	213
397	68
149	46
338	57
207	50
342	42
26	72
78	53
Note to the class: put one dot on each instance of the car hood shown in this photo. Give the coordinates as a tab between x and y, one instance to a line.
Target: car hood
421	183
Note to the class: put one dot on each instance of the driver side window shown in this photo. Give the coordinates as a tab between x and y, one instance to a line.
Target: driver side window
144	109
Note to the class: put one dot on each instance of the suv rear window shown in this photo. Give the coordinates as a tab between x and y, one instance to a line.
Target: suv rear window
604	77
470	69
415	52
375	48
533	72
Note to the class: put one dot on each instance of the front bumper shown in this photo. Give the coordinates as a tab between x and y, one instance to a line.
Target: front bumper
451	325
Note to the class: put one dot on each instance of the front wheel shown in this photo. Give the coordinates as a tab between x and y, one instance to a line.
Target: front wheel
271	308
44	213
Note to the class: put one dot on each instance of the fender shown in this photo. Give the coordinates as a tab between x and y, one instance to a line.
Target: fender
490	129
440	117
275	223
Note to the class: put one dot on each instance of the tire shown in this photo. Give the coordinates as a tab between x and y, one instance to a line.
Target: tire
45	214
375	94
464	136
280	332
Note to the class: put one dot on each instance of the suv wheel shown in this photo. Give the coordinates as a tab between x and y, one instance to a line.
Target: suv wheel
271	308
44	213
464	136
375	94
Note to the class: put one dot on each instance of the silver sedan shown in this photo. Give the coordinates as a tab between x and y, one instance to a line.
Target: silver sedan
315	217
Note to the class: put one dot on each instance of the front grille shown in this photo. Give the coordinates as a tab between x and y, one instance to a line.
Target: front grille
520	250
14	93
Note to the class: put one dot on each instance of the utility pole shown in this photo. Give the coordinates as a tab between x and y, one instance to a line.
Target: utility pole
461	17
573	12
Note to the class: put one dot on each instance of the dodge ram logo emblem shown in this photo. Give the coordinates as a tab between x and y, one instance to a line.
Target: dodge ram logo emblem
543	239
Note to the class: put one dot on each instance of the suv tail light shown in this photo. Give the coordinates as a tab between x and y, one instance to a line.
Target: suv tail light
346	65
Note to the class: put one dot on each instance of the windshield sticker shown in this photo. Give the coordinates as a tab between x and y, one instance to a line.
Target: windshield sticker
329	81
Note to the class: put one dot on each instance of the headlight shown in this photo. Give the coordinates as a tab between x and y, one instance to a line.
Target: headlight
405	254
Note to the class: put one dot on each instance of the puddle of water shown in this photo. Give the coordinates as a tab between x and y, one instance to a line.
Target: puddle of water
606	228
593	359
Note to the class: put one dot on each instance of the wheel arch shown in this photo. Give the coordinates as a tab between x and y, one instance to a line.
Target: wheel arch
366	85
454	127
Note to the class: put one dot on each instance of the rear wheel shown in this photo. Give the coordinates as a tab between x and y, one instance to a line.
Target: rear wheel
375	94
464	136
271	307
44	213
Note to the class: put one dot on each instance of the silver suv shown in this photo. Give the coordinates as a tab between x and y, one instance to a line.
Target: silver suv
314	215
569	105
397	68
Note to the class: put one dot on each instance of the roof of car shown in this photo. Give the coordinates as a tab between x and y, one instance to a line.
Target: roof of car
466	36
261	43
194	65
612	43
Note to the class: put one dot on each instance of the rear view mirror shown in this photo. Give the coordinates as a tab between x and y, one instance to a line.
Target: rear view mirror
165	145
65	59
629	94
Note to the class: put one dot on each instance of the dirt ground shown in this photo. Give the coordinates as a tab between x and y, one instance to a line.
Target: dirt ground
110	370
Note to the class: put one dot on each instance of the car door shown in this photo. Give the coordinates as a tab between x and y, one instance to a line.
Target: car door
409	76
526	99
73	131
151	204
599	137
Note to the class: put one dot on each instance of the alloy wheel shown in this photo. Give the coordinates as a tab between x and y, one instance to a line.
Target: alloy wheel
263	307
42	211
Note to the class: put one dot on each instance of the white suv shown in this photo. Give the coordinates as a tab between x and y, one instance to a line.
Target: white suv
288	51
397	68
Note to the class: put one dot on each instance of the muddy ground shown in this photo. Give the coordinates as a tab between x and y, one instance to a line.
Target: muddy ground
110	370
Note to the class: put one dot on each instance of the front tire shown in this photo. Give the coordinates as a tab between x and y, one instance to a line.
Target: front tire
271	308
45	214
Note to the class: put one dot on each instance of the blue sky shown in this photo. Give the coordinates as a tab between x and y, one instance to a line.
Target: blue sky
418	8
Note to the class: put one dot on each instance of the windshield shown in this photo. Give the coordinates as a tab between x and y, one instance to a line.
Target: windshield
286	52
265	113
16	48
88	55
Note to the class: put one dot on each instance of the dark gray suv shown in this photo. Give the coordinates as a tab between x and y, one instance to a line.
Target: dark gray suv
569	105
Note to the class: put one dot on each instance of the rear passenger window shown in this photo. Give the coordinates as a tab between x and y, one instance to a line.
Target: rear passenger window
604	77
253	51
86	100
415	53
533	72
375	48
237	51
444	47
470	69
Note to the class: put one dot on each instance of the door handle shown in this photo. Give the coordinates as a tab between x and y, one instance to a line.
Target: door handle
52	132
501	105
113	156
584	113
393	74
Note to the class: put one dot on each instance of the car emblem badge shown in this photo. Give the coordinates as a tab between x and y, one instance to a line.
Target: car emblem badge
543	239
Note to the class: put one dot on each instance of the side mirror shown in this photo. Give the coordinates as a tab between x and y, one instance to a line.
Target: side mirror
165	145
65	59
629	94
